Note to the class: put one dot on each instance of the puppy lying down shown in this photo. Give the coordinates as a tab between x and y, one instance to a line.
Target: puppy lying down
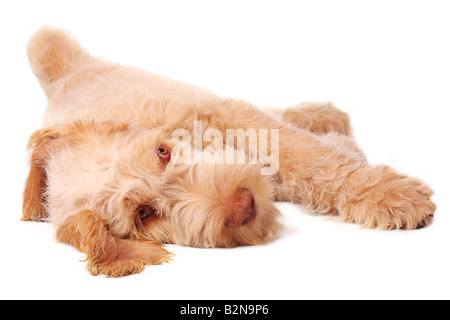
127	161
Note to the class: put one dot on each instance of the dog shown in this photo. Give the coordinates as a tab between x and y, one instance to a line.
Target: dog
104	171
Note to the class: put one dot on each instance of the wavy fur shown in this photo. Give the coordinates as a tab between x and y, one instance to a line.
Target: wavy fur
94	165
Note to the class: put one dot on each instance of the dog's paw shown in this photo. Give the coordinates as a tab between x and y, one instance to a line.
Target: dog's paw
319	118
132	258
384	199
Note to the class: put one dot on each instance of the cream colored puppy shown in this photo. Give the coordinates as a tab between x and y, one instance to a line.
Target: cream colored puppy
127	161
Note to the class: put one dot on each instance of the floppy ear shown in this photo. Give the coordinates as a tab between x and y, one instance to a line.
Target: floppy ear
41	142
106	254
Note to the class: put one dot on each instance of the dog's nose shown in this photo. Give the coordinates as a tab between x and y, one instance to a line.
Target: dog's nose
243	209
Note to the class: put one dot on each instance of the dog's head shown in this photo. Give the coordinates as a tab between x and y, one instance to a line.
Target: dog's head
111	184
129	177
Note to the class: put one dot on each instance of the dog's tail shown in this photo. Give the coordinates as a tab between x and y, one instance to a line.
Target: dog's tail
53	53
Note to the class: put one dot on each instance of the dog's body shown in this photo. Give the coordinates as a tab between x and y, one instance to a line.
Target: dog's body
101	168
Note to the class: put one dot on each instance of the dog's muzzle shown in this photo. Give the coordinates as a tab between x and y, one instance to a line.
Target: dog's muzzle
243	210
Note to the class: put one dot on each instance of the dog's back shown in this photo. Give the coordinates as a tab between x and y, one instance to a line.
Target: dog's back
82	87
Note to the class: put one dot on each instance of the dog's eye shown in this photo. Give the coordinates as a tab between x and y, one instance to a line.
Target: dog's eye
164	153
145	213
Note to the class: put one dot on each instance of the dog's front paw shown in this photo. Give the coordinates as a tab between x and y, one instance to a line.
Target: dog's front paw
131	257
319	118
387	200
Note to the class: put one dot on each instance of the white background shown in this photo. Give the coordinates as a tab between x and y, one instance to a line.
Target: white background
386	63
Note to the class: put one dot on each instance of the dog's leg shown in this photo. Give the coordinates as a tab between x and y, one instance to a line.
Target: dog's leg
105	253
324	176
318	118
328	179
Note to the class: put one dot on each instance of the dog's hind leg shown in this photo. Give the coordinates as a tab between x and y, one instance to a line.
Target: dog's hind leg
53	54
